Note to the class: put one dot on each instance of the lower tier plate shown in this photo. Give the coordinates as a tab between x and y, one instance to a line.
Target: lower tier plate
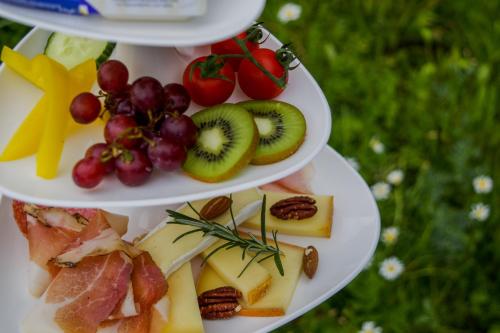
354	238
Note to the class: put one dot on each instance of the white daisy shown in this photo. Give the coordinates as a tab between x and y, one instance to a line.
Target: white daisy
482	184
369	327
289	12
390	235
381	190
395	177
479	212
391	268
376	145
353	163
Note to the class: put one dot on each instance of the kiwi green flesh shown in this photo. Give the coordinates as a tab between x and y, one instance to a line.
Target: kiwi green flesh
226	136
282	129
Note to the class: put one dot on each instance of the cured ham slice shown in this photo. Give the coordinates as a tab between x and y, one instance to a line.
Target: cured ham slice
118	222
49	232
148	281
126	307
298	182
97	238
79	299
150	288
45	243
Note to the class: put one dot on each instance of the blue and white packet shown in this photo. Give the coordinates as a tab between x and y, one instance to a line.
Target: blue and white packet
121	9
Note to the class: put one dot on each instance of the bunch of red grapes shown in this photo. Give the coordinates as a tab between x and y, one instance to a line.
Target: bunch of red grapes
146	128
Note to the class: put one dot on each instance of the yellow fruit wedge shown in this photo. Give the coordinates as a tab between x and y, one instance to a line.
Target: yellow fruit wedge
56	86
170	255
279	294
228	263
319	225
21	65
184	313
26	140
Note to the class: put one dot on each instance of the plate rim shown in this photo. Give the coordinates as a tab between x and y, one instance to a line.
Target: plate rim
137	40
326	133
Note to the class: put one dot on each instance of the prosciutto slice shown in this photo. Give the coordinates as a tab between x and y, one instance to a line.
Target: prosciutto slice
79	299
298	182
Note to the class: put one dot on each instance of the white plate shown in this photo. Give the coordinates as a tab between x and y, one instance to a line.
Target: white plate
224	18
355	235
18	179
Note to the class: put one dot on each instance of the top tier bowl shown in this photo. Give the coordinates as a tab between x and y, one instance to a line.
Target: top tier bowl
224	18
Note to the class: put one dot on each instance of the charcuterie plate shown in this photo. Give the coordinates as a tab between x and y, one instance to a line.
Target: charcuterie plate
355	233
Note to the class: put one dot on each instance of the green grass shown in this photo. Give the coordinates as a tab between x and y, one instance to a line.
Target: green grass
423	77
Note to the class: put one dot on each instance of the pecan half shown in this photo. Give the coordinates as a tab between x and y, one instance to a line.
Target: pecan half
215	207
294	208
219	303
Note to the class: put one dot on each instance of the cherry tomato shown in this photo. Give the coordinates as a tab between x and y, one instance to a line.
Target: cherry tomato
229	46
254	83
210	82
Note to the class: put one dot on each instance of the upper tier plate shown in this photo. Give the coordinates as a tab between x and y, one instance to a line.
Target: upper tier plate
224	18
18	179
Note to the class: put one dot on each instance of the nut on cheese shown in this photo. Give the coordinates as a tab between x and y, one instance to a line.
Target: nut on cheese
254	282
318	225
279	294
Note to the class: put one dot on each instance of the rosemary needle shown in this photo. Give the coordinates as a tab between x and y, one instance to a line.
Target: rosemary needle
232	237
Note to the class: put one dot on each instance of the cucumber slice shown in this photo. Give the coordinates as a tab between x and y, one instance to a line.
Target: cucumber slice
72	50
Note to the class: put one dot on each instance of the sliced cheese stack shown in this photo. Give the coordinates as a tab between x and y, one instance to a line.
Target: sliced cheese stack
184	314
280	292
319	225
169	256
254	282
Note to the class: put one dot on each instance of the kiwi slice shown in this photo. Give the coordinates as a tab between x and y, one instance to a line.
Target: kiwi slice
282	129
227	139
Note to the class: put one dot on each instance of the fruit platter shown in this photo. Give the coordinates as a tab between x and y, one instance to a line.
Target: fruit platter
304	134
321	253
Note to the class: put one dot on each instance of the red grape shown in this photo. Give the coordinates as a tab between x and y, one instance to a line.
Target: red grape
96	150
147	94
177	98
133	167
166	155
85	108
112	76
126	108
118	128
88	172
180	129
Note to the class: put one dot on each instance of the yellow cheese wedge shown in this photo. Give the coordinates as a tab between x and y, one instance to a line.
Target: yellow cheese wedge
184	314
169	256
228	263
319	225
279	295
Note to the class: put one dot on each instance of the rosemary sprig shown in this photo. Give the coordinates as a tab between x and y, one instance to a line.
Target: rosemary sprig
232	237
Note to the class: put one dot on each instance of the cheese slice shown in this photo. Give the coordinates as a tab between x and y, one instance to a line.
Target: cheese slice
169	256
279	295
228	263
184	313
319	225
